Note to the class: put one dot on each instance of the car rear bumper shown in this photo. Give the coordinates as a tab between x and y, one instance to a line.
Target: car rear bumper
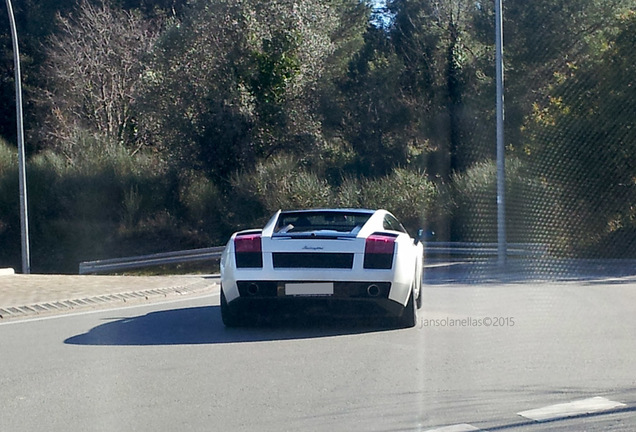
349	299
316	307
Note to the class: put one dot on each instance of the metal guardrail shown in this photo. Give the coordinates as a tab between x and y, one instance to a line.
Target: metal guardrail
177	257
464	249
484	249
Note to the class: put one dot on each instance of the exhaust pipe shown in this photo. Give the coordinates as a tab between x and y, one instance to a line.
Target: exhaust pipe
253	289
373	290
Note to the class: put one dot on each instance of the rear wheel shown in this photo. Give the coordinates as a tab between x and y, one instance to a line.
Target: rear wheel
229	315
409	314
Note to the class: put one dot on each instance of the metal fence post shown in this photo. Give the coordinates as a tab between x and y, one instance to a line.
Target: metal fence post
501	180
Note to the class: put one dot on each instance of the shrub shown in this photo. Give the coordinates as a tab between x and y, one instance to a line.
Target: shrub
533	210
206	208
350	193
408	194
91	199
10	208
280	183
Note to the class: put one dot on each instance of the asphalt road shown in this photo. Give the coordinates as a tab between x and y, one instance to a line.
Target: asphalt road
481	354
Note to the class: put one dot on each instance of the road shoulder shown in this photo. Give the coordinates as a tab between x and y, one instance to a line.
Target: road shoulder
26	296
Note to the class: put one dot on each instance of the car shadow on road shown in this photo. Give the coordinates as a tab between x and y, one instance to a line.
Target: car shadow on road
203	325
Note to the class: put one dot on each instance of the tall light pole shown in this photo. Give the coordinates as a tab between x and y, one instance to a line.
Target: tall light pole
24	218
501	176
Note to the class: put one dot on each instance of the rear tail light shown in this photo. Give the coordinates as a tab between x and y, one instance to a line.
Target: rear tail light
378	251
248	251
247	243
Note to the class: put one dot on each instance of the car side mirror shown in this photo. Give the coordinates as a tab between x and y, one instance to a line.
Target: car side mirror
419	236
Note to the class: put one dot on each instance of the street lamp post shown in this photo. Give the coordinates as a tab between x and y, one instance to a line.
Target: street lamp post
501	181
24	219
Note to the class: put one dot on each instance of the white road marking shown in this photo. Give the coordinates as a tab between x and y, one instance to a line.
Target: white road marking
455	428
571	409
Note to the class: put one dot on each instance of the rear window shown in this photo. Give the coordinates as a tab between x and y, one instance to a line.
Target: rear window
320	221
391	223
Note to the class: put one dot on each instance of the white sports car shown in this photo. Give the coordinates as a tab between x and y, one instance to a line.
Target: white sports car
352	262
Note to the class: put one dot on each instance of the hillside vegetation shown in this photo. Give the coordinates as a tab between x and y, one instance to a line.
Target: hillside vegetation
164	125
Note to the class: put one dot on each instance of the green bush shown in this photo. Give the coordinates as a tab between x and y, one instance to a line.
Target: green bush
533	210
350	193
94	199
283	183
280	183
408	194
205	209
10	250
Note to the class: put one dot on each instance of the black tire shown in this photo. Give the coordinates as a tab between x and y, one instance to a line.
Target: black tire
409	314
229	315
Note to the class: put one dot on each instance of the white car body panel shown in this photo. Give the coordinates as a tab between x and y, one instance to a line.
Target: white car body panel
403	274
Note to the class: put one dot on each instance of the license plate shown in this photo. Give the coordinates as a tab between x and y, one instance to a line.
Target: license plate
309	289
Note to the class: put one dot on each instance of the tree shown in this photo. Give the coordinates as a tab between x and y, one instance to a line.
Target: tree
435	42
235	82
542	39
582	142
35	22
370	112
94	70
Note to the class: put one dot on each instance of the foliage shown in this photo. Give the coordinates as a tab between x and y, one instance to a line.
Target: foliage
544	39
586	146
233	84
380	135
408	194
283	183
533	208
441	83
35	22
280	183
38	22
153	125
9	210
105	203
94	67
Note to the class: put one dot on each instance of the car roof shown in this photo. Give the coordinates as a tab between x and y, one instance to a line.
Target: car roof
335	210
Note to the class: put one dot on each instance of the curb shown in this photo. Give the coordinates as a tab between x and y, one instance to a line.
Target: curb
103	301
6	271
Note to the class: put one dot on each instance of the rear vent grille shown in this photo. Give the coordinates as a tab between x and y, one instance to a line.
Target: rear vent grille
312	260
